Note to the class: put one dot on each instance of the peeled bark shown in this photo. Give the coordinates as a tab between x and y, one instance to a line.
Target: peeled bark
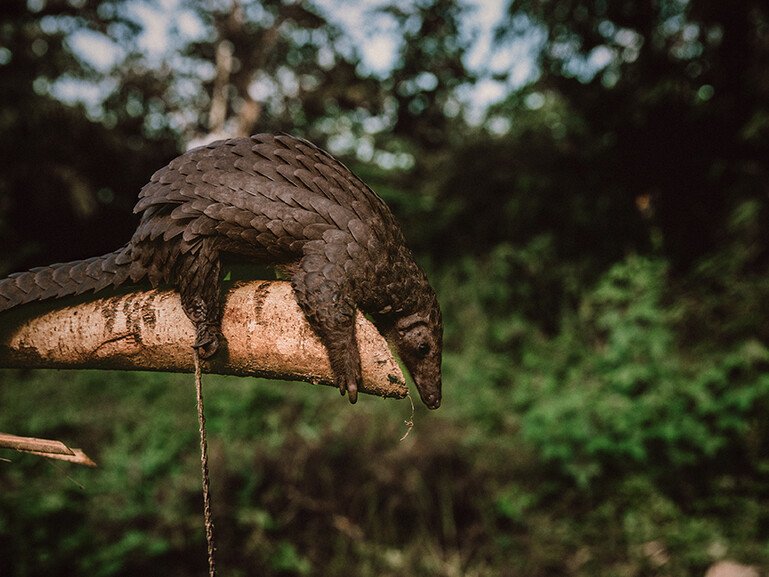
264	332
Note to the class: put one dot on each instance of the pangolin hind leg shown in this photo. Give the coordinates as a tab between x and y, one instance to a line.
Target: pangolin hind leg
198	280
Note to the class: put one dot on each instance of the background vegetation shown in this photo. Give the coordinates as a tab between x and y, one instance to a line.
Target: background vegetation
596	235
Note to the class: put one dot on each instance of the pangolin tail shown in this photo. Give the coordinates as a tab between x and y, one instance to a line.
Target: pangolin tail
64	279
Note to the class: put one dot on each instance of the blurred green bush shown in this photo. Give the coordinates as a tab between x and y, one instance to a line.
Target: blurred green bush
607	441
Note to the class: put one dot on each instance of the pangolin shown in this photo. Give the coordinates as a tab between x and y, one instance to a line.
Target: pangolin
281	201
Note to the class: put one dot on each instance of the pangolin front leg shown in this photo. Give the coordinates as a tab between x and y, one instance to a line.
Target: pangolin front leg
324	296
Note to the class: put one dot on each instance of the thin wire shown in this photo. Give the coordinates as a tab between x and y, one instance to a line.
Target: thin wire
208	518
410	422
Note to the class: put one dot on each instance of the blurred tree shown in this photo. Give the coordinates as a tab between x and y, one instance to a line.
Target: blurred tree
63	167
424	112
84	128
545	177
278	66
429	70
676	100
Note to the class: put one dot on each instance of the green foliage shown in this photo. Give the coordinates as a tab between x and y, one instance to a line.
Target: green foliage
606	445
627	398
612	391
650	436
598	243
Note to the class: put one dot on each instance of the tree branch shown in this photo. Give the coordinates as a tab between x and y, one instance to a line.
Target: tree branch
45	448
265	335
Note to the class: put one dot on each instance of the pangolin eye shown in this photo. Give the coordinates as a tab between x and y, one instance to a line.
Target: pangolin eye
423	349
